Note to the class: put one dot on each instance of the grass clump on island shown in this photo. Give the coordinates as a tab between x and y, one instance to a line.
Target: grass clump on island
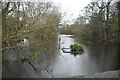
76	47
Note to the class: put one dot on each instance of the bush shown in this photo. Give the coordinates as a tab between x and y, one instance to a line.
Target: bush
76	47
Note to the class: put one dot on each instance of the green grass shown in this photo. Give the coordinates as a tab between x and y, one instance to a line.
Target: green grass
76	47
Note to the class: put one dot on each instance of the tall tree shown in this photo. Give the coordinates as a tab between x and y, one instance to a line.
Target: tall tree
118	6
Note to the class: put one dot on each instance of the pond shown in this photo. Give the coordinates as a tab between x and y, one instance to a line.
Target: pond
97	57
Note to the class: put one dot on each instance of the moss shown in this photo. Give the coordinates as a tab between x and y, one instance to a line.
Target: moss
76	47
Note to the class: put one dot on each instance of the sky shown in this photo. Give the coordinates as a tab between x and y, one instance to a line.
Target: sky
71	8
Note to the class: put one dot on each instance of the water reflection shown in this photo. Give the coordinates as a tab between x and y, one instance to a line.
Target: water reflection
76	54
96	58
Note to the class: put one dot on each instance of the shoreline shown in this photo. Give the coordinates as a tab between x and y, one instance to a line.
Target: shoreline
107	74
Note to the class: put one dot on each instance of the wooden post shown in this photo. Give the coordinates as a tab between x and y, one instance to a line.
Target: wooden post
59	42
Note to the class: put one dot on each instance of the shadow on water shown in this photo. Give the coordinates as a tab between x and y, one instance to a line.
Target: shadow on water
75	54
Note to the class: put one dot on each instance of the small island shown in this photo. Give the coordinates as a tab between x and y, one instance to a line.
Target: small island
76	47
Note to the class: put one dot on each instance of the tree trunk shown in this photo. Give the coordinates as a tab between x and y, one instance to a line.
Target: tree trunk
118	21
107	22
